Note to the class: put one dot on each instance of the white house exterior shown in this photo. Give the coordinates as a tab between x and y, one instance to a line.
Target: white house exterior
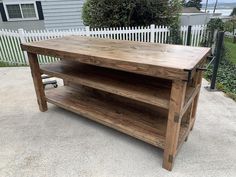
193	16
62	14
44	14
65	14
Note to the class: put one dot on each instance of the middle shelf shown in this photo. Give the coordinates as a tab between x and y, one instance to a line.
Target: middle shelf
154	91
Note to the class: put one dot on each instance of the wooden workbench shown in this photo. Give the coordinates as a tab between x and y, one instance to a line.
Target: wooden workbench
149	91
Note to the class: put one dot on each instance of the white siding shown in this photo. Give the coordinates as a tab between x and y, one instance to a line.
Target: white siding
25	24
194	19
62	14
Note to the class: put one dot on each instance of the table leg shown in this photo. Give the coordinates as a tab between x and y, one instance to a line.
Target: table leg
197	81
38	85
174	120
187	119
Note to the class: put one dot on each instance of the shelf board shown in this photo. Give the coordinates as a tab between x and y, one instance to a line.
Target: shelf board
133	122
146	89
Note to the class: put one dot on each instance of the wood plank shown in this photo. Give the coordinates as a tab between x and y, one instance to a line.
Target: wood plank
142	88
118	116
159	60
178	92
197	81
146	89
38	85
115	114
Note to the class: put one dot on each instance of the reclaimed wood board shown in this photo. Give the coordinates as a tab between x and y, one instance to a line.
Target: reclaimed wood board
159	60
146	89
112	114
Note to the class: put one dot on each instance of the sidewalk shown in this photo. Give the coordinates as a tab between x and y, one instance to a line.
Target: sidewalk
60	143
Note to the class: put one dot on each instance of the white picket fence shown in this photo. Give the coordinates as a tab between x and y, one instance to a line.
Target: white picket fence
10	40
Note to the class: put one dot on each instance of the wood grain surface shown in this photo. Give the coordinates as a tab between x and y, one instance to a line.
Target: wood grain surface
159	60
37	80
133	122
142	88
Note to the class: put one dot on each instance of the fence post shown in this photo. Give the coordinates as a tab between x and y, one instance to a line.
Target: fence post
220	39
152	27
22	40
87	31
189	36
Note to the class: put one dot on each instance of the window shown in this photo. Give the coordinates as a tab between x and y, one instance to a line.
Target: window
26	11
14	11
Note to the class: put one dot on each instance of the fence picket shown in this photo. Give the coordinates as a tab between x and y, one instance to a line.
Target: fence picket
3	51
195	37
16	50
8	47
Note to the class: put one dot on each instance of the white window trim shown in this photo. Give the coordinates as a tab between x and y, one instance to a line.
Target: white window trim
19	3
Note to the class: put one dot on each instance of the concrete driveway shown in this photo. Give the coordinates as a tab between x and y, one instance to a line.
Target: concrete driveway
60	143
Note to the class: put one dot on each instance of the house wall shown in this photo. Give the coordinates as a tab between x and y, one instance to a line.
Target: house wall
62	14
27	25
194	18
58	14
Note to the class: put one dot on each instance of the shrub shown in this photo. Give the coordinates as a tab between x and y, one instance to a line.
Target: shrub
116	13
212	25
175	36
226	77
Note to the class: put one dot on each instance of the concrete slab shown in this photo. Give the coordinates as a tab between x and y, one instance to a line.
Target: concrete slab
60	143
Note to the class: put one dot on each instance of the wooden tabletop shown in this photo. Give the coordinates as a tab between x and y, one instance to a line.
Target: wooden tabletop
159	60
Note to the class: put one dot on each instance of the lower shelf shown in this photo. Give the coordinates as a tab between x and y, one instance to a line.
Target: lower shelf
113	114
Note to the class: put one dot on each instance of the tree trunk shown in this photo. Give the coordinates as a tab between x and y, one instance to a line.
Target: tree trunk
215	6
206	5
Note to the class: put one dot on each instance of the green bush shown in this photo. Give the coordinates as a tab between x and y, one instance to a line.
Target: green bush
175	36
230	25
212	25
215	24
117	13
233	13
226	76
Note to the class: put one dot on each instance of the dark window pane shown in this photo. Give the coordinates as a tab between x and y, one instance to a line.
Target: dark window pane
14	11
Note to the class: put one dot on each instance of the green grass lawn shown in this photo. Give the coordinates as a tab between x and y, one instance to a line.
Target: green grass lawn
230	49
5	64
2	64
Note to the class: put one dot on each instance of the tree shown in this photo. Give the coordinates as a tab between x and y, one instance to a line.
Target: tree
216	3
193	3
233	13
212	25
117	13
206	5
